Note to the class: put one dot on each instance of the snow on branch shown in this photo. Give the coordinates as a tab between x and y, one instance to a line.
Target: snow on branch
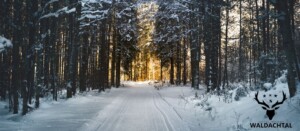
99	14
94	11
4	44
96	1
59	12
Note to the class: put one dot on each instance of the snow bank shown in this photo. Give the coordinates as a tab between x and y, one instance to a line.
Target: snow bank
213	113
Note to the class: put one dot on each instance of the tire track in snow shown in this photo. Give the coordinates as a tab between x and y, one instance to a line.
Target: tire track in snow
166	120
170	106
117	115
173	108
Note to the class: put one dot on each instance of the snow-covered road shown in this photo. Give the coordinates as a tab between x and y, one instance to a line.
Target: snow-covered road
138	108
135	107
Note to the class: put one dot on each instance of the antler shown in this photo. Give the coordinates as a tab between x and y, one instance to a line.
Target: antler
283	99
261	103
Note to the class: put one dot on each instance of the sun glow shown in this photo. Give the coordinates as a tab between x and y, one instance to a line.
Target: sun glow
146	65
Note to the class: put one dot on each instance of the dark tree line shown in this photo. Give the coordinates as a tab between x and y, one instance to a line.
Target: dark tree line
229	41
63	45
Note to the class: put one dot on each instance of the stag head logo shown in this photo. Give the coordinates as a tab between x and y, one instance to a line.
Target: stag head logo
270	108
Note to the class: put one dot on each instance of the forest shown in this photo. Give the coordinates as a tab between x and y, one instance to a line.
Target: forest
48	47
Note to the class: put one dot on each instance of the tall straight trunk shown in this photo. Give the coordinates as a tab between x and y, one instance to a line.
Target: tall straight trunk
225	73
26	60
84	62
268	47
264	32
71	55
118	62
113	59
219	56
146	77
53	75
47	60
252	48
178	64
208	46
17	34
104	56
106	66
258	49
194	49
53	51
46	25
172	70
285	28
118	69
114	40
264	41
240	66
93	68
38	58
76	40
9	34
184	62
212	43
130	72
31	8
24	89
38	84
217	46
161	70
72	49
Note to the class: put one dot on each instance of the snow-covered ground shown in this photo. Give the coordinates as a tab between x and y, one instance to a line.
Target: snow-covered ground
140	107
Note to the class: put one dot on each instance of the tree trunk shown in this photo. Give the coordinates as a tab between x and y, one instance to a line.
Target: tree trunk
195	50
184	62
113	59
225	73
72	47
16	55
104	56
284	22
84	62
118	63
178	64
172	70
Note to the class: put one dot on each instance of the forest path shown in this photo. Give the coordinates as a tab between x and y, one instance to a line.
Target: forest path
139	108
135	107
